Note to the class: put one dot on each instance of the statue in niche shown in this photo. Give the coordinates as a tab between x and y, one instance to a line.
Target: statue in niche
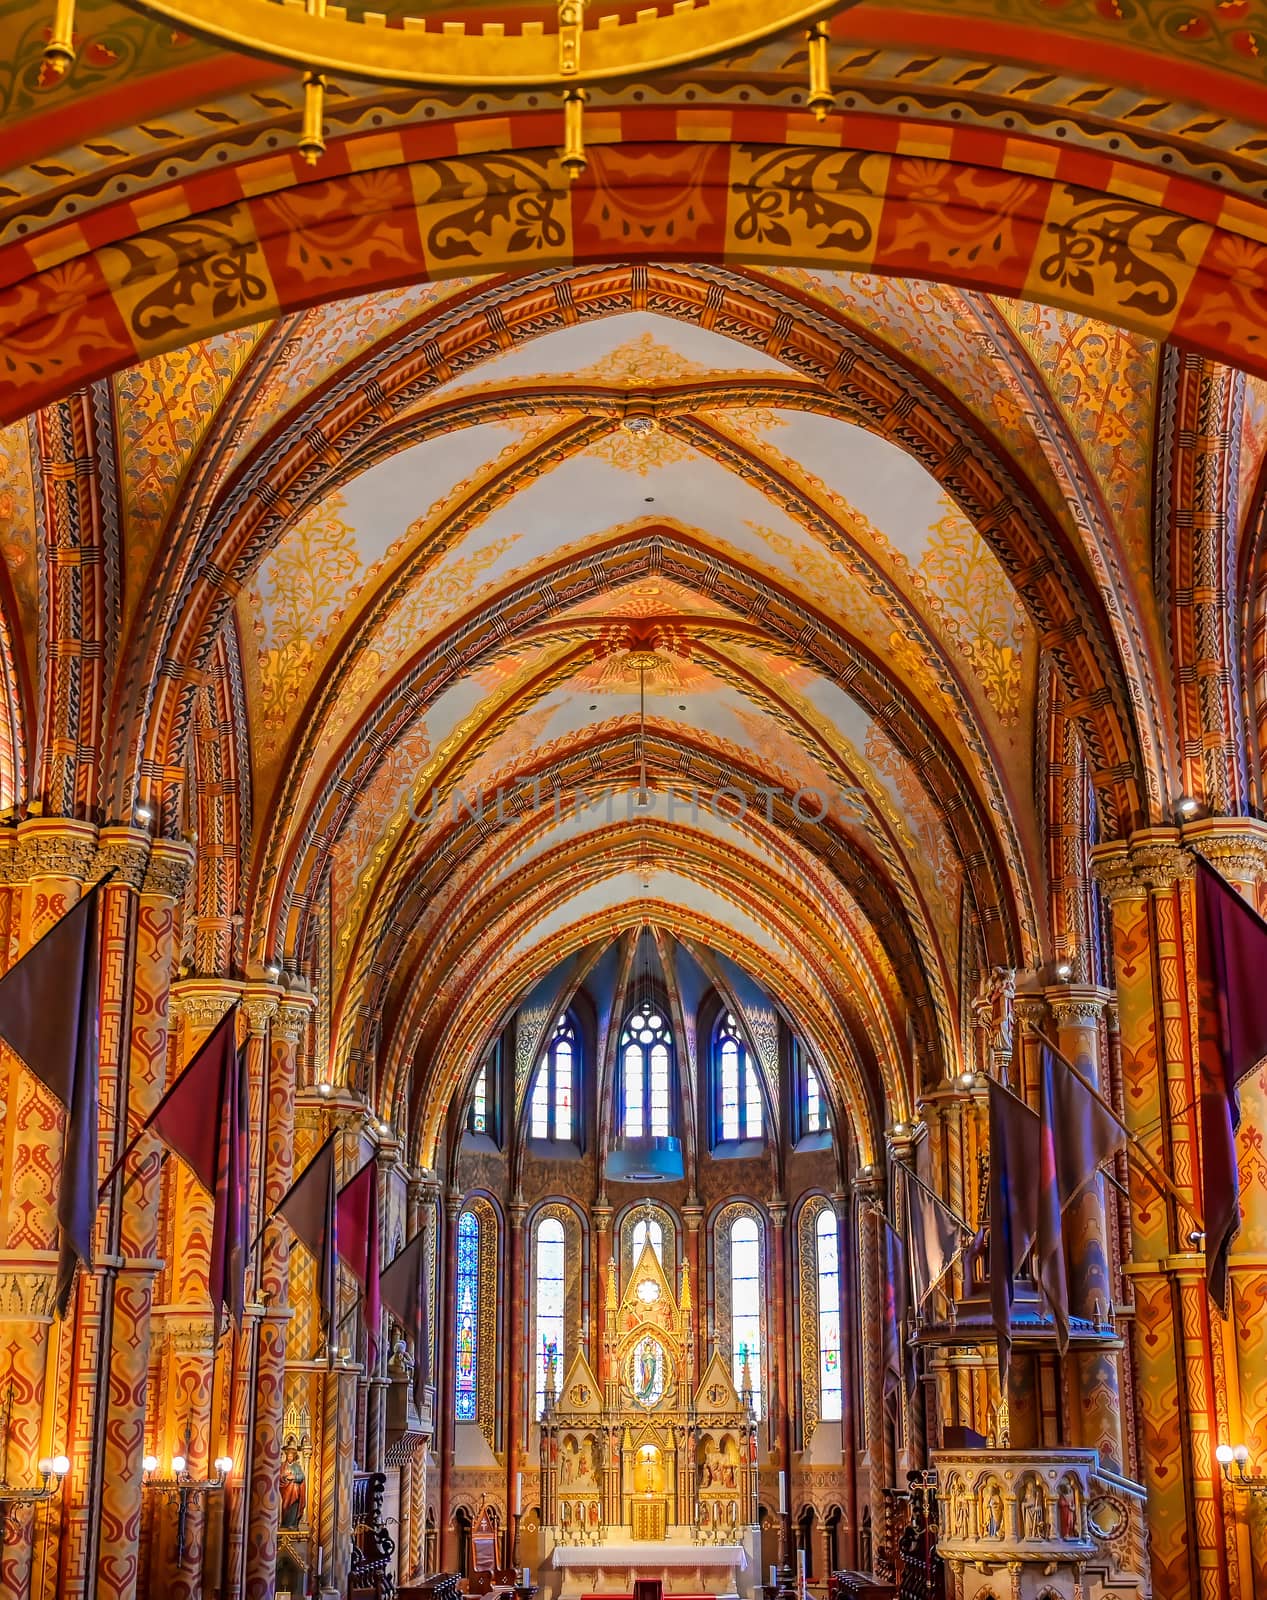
1001	991
994	1513
961	1518
294	1487
1033	1513
1067	1512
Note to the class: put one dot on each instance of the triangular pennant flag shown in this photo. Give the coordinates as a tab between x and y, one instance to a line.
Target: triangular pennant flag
1077	1135
48	1017
937	1235
204	1118
359	1244
895	1305
1014	1157
310	1206
403	1290
1231	1042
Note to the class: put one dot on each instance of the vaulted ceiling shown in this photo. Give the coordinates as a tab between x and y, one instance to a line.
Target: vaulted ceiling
822	551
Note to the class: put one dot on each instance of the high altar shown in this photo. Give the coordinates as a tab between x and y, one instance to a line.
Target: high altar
644	1471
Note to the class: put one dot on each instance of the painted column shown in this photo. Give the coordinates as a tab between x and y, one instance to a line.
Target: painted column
444	1409
1181	1372
516	1429
54	859
188	1423
124	851
1077	1012
258	1008
1238	848
118	1556
848	1554
285	1029
777	1387
868	1189
693	1222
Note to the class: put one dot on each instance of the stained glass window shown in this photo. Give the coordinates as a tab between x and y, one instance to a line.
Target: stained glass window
737	1087
745	1304
811	1103
645	1048
467	1333
554	1090
644	1229
827	1242
551	1293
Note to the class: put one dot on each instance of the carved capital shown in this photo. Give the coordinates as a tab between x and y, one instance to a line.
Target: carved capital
170	869
1112	870
1237	846
292	1017
188	1336
1077	1005
427	1185
26	1290
54	847
126	853
201	1002
1159	859
260	1008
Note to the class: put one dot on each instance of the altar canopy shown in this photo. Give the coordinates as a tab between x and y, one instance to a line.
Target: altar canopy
643	1451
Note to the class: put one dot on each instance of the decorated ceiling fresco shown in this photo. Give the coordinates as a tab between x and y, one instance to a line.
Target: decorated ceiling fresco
468	496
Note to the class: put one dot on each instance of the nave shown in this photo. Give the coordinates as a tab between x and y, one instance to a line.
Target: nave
633	682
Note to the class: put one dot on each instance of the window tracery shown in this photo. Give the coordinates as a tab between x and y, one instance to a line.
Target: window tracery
475	1317
738	1112
646	1060
739	1277
554	1089
664	1238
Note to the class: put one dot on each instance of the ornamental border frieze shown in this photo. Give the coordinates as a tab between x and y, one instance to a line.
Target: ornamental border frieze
926	84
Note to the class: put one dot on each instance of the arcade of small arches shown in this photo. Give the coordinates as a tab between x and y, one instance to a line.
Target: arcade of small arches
648	692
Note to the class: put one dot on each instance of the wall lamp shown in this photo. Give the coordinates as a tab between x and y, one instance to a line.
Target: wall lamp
1226	1455
52	1469
181	1488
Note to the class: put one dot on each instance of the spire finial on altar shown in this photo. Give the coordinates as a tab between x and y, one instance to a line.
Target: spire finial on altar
684	1299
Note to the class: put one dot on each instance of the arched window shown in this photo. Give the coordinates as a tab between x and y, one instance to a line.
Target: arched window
477	1118
648	1228
551	1295
811	1103
554	1092
467	1331
646	1058
736	1087
827	1248
815	1110
745	1305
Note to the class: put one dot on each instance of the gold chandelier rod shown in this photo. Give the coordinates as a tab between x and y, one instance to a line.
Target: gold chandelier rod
321	39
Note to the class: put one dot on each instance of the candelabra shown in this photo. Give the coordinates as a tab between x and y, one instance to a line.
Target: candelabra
52	1469
182	1488
1228	1455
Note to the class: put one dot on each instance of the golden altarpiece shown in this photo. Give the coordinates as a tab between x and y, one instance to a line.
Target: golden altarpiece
645	1453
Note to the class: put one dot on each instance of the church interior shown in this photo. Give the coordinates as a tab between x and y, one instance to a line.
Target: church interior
633	665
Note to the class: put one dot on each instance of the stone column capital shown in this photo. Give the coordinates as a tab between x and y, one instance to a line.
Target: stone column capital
54	847
203	1001
1074	1004
125	852
1236	846
171	865
260	1006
